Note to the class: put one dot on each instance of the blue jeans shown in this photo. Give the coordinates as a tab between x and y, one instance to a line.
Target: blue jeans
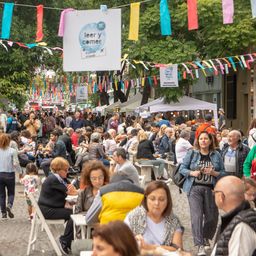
7	181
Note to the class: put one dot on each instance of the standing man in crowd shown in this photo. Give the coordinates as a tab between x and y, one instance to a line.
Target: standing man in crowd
161	121
77	122
234	154
238	225
206	126
113	122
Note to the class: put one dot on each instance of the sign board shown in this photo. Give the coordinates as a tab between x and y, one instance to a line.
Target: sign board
81	93
92	40
169	76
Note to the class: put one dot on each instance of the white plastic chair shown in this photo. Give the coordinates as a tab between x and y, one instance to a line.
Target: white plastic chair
38	219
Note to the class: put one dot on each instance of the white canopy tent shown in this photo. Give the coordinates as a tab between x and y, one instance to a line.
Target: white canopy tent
185	103
112	107
130	105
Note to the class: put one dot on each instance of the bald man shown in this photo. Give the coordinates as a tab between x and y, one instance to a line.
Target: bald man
234	154
238	228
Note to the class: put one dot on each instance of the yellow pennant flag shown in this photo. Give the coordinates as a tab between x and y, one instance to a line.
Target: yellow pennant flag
134	21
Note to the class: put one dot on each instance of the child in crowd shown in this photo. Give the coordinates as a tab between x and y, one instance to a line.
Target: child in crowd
31	182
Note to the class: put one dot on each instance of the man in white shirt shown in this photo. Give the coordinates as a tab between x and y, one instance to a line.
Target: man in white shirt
182	146
125	166
238	228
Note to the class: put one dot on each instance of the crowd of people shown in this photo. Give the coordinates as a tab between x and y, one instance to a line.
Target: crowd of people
219	167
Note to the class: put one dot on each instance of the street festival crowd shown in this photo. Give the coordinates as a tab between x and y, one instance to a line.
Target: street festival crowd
97	159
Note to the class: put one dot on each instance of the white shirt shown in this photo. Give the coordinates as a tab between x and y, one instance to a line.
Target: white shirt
242	241
3	121
181	148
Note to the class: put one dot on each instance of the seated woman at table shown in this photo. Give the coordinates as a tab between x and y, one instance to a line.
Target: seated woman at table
153	223
115	239
94	175
96	150
52	201
145	155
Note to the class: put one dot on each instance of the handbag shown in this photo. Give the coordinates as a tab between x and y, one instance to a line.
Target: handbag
177	178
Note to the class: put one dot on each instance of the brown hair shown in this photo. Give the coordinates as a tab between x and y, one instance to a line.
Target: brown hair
4	140
88	168
31	168
58	164
249	183
252	124
118	235
210	136
152	186
26	134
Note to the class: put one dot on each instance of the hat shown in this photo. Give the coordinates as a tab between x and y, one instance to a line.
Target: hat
208	117
222	110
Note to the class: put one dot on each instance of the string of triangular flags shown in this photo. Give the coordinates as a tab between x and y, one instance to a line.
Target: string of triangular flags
213	66
62	86
8	43
165	17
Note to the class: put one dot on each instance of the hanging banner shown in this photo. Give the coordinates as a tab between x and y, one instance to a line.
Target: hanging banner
81	93
228	11
253	4
134	21
169	76
39	31
192	15
165	19
92	40
62	21
7	20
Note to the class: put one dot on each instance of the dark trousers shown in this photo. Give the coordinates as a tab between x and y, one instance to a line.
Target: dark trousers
203	213
7	182
45	165
61	213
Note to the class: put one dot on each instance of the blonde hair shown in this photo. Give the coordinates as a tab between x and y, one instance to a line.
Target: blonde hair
4	140
162	130
58	164
142	135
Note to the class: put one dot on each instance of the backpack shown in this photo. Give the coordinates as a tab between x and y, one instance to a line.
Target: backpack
177	178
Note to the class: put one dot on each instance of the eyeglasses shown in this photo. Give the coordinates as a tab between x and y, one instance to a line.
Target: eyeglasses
97	178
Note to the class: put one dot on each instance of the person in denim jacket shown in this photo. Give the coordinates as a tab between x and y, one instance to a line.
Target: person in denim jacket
201	171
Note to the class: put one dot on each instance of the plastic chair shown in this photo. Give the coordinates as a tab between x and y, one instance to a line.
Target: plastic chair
38	220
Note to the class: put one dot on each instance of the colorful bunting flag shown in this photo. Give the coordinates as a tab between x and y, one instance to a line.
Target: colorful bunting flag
192	14
40	14
165	19
62	21
7	20
134	21
228	11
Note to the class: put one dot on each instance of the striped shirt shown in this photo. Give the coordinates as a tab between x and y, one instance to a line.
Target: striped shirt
8	159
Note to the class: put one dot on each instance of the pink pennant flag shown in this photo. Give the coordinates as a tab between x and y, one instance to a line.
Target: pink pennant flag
62	21
228	11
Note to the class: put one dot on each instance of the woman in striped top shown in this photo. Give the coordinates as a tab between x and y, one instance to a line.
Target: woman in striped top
8	162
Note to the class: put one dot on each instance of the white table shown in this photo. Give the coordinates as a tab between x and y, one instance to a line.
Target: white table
79	220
